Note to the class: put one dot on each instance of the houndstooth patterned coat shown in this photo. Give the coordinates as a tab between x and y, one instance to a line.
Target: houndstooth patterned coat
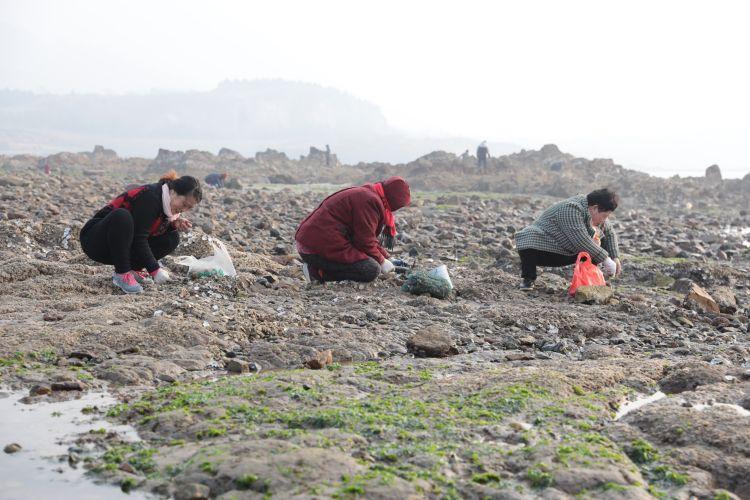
565	228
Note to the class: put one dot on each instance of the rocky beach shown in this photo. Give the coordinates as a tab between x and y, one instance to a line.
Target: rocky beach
264	386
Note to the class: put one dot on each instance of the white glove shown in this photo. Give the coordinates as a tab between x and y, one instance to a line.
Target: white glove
161	276
610	268
387	266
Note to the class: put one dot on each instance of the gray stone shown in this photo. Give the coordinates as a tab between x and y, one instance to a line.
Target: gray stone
682	285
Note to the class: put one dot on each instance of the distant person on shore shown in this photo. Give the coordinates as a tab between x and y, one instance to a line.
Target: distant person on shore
346	237
578	224
483	153
139	227
216	180
328	155
47	169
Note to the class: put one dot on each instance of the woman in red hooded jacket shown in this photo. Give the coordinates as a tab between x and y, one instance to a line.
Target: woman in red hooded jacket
344	238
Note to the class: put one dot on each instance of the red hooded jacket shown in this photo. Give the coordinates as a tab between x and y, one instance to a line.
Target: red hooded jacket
346	225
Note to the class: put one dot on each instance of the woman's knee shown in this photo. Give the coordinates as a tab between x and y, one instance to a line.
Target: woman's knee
120	217
370	270
174	240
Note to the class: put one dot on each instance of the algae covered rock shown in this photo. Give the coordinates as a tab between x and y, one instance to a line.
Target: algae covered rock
593	294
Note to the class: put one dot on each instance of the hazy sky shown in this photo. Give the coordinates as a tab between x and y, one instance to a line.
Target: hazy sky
662	86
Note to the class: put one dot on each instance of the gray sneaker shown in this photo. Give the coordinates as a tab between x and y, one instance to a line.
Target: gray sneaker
126	282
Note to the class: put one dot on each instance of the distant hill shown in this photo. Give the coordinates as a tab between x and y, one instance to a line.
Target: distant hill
246	116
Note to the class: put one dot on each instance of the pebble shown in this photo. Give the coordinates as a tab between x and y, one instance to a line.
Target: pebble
12	448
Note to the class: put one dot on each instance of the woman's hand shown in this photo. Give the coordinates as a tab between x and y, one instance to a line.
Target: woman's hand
618	272
182	224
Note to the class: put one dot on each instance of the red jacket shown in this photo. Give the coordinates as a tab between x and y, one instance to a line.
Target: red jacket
346	225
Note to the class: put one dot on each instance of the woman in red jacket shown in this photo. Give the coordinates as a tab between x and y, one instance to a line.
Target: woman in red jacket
343	238
139	227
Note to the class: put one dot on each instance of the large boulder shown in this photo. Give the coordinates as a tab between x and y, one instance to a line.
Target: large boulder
698	299
713	173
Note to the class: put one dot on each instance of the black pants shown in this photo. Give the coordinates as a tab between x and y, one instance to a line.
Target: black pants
110	240
364	270
531	258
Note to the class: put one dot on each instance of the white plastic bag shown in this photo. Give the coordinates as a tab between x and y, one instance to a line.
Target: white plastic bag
218	264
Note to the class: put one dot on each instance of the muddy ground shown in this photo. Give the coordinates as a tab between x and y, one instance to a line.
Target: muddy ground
524	403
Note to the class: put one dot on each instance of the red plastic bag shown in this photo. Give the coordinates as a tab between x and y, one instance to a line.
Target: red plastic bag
585	274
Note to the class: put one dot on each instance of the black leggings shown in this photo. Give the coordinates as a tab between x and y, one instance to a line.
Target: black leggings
531	258
364	270
110	240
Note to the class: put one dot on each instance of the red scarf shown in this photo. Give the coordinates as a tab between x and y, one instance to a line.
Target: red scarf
390	221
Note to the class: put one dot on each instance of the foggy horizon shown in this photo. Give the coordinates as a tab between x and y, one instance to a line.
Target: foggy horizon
622	82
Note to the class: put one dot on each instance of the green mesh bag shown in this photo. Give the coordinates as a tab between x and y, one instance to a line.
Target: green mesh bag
420	282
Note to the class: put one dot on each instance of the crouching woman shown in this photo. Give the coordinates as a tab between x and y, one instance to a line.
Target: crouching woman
346	237
139	227
578	224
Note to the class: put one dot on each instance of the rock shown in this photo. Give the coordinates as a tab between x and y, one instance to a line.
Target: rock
688	376
713	173
698	299
660	280
682	285
725	298
280	250
574	480
520	356
671	251
69	385
40	390
237	366
138	369
598	351
82	355
12	448
12	215
431	342
192	491
320	360
126	467
593	294
52	316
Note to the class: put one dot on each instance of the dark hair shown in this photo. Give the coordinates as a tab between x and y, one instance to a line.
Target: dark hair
186	185
605	199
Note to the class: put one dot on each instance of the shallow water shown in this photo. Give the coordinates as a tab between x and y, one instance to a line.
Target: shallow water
738	409
638	402
45	431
